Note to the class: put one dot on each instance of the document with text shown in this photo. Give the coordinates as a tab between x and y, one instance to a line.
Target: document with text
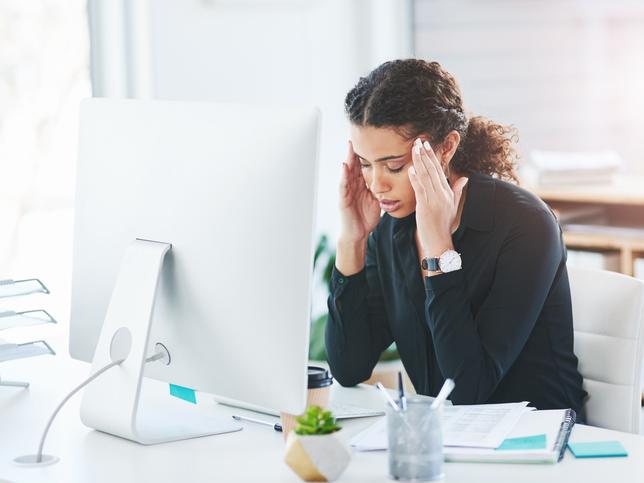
476	426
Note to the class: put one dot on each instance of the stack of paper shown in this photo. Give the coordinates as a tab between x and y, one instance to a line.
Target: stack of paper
567	168
480	426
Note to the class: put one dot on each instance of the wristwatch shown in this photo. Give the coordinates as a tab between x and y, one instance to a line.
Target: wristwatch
449	261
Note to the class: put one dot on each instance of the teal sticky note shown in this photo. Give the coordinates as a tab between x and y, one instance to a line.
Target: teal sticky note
537	441
184	393
597	449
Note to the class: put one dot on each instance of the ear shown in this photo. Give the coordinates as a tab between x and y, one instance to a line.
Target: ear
448	148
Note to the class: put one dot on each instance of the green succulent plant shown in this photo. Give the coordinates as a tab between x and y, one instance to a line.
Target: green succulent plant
316	421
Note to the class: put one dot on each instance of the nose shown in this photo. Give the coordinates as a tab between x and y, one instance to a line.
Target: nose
379	182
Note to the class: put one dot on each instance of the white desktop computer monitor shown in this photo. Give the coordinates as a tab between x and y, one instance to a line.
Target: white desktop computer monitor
231	188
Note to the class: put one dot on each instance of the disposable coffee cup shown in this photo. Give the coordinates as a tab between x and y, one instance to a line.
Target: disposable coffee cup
317	394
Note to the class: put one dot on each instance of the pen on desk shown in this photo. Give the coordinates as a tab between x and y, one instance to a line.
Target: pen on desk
389	399
401	392
276	426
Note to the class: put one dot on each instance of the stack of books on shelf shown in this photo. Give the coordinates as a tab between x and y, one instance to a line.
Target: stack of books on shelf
10	319
597	260
590	219
558	168
584	214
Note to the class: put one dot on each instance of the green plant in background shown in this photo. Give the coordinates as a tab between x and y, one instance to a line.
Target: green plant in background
325	253
316	421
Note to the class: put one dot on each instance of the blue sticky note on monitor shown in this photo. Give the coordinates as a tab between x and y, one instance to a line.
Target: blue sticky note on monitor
537	441
184	393
597	449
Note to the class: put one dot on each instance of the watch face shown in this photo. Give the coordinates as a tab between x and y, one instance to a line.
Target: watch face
449	261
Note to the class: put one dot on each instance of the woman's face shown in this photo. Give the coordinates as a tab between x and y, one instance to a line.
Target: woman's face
384	157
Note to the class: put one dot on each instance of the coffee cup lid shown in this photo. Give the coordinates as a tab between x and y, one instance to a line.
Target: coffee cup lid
319	377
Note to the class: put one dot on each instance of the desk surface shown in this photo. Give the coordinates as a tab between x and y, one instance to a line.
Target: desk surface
253	454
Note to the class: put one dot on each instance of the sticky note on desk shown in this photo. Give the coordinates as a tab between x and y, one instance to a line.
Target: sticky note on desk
537	441
597	449
184	393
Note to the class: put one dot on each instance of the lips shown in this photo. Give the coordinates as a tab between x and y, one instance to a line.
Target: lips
389	205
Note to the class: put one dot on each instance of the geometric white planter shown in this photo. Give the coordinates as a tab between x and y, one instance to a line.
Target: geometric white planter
316	457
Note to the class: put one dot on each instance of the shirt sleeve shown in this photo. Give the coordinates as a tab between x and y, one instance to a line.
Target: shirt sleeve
357	330
478	350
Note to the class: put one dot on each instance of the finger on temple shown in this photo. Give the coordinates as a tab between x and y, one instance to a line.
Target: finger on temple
422	157
436	174
351	156
415	182
442	179
428	173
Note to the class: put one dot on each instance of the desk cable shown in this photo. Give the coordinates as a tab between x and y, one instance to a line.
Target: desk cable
37	459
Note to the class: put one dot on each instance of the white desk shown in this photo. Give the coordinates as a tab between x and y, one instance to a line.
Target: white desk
253	454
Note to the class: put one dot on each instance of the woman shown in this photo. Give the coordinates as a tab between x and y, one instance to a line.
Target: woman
466	272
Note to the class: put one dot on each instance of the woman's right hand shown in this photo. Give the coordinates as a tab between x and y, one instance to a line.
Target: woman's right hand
359	209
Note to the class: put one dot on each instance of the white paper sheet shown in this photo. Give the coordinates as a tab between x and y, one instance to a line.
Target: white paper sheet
476	426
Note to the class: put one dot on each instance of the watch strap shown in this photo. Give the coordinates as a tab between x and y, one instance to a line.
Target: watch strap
430	264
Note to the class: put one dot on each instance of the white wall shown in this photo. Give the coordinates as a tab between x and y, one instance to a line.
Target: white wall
274	51
567	73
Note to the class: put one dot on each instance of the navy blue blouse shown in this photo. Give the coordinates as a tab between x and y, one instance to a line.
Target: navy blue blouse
501	327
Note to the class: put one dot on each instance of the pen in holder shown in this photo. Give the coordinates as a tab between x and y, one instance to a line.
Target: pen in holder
415	441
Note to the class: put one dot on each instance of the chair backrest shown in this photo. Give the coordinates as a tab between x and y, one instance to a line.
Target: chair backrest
608	318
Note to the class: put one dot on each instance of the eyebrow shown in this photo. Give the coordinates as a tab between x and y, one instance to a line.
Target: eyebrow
386	158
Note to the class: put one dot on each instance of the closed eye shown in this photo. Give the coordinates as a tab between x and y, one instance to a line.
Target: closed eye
396	168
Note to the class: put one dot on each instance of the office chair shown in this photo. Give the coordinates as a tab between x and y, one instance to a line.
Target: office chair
608	319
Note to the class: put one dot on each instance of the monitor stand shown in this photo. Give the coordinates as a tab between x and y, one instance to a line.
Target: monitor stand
112	403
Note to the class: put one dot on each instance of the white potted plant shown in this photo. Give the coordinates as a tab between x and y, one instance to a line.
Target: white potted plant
312	449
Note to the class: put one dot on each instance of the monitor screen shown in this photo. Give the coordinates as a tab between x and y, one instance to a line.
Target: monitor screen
233	189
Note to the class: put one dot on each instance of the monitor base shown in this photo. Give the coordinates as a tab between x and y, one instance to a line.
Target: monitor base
167	425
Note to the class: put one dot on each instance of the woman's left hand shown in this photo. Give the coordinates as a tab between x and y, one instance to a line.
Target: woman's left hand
436	202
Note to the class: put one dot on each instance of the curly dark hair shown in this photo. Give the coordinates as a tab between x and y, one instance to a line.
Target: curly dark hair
417	97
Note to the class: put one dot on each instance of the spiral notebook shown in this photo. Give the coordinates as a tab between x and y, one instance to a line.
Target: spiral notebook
538	437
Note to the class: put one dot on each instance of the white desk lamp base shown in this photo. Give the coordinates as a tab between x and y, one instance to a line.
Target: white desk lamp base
31	460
